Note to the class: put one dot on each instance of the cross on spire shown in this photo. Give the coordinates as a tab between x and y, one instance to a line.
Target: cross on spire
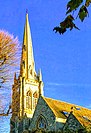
26	11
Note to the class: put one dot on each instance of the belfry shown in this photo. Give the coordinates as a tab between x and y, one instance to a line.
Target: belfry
28	86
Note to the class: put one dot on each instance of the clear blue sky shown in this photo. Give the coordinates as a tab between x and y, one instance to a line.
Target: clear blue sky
65	60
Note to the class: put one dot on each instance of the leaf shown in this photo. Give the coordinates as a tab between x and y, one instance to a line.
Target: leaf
66	24
88	2
70	17
83	13
73	5
59	29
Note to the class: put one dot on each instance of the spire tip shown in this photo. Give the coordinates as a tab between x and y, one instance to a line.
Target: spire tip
26	11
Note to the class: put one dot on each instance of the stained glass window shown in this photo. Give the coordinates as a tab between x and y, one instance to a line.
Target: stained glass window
41	123
35	98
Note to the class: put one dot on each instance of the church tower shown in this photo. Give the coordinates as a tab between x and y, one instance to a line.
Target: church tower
29	85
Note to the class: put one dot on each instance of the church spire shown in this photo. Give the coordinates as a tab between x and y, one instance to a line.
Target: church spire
27	60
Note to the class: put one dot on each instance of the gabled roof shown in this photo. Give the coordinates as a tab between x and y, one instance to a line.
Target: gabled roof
60	110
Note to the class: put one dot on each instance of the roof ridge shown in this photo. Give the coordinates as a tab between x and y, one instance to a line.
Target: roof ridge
78	111
54	112
68	103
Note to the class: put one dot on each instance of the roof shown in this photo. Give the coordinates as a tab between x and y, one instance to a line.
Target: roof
62	109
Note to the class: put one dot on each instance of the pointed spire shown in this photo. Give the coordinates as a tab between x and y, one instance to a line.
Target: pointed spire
27	59
41	85
40	75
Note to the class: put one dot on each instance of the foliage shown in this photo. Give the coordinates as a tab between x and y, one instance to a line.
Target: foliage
73	6
67	23
8	49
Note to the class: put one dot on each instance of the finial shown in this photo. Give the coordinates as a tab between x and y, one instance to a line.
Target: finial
40	75
26	11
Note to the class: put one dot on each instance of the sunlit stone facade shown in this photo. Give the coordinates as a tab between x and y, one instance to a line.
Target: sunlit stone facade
29	85
34	113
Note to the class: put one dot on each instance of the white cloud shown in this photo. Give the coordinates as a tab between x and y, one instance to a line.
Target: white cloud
68	84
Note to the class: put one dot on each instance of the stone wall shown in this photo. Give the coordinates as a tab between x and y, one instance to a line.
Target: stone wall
42	109
72	124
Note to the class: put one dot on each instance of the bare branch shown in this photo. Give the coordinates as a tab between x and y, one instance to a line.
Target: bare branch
8	51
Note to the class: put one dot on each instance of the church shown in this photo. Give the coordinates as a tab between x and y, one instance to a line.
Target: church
32	112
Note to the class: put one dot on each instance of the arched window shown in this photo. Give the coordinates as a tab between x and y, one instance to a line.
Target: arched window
35	98
29	100
41	124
